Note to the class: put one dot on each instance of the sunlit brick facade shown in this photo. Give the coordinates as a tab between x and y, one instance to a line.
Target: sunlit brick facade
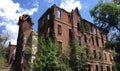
66	25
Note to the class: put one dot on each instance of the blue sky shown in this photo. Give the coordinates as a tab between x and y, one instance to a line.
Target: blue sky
10	10
43	5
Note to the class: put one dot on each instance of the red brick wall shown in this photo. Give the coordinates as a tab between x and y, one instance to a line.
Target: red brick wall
64	37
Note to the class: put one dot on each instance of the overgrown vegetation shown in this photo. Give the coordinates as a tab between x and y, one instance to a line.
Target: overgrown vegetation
47	58
2	54
78	56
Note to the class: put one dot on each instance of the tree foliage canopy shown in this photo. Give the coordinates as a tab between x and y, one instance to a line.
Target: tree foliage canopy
117	1
106	15
2	54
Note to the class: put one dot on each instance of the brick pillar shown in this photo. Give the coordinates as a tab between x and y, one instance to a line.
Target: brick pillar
25	29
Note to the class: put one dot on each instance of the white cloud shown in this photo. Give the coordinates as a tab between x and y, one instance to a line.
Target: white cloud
9	15
85	8
68	5
11	32
50	1
36	4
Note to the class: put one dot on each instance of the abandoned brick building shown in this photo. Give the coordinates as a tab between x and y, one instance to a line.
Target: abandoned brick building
61	24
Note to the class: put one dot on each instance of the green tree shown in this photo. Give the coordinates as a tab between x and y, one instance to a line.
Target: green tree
73	57
77	56
106	15
2	54
46	57
114	44
117	1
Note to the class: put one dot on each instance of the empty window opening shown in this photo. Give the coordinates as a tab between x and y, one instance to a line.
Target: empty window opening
108	68
92	40
101	68
105	58
60	47
102	40
96	68
99	55
58	14
94	53
95	31
85	38
70	35
91	28
78	26
97	41
111	57
69	19
59	29
48	17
